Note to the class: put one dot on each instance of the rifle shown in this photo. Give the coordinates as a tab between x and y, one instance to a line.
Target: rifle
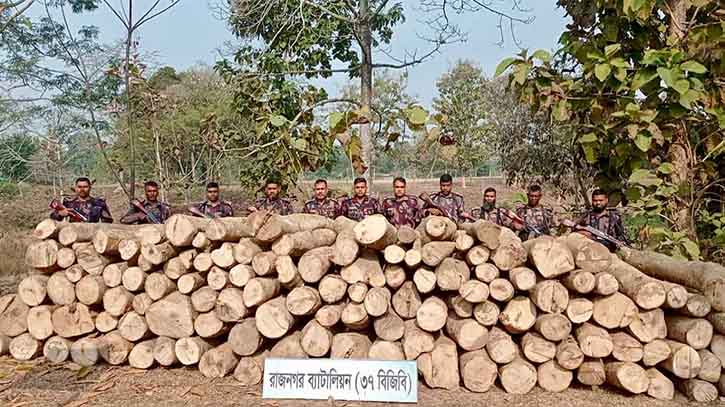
425	198
195	211
595	232
143	210
77	216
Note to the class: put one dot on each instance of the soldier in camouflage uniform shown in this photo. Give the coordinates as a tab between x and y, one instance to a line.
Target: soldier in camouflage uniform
94	209
272	201
321	204
607	220
156	212
360	205
213	207
449	203
500	216
402	209
539	219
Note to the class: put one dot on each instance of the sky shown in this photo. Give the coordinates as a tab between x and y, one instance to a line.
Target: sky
192	33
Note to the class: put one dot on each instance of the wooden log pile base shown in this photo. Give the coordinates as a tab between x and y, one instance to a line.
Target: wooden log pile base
471	303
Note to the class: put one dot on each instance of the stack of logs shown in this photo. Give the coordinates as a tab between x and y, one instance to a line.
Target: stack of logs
471	303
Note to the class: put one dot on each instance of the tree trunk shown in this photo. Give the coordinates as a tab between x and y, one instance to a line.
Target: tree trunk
142	355
552	377
218	362
190	350
56	349
518	376
440	367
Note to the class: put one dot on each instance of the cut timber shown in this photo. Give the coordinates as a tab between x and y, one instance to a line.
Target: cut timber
25	347
579	310
647	292
73	320
141	303
477	370
552	377
244	338
519	315
717	319
329	315
42	255
230	305
451	274
303	300
296	244
536	348
568	354
314	264
394	254
376	232
85	351
500	289
518	376
432	314
129	249
696	332
151	234
683	362
57	349
551	257
114	348
594	341
460	306
48	229
60	290
92	262
40	323
90	290
217	278
510	252
201	242
250	370
190	350
157	286
181	229
113	274
66	257
413	257
106	322
354	316
614	311
77	233
164	351
316	340
591	373
377	301
550	296
649	325
655	352
13	315
133	327
485	232
433	253
467	332
228	229
142	355
289	347
275	226
188	283
32	289
273	319
406	235
223	256
697	306
180	265
350	346
522	278
677	295
606	284
588	255
144	264
74	273
106	241
486	313
699	390
357	292
406	301
440	367
464	241
500	347
416	341
711	366
203	262
580	281
385	350
204	299
362	269
478	255
394	276
208	325
425	280
332	288
440	228
708	278
553	327
259	290
345	249
474	291
627	376
245	251
626	348
389	327
218	362
486	272
172	316
240	274
660	387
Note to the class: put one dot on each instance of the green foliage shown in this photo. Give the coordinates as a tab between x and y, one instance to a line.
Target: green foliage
15	154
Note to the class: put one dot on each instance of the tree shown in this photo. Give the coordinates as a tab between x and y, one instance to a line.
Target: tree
643	83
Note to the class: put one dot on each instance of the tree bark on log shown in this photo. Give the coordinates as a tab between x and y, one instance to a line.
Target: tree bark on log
647	292
180	230
228	229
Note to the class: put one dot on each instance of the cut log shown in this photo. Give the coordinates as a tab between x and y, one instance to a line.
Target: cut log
228	229
70	321
246	250
647	292
203	262
375	232
460	306
594	341
553	327
711	366
332	288
150	234
42	255
394	254
717	346
204	299
413	258
345	250
60	290
406	301
510	252
486	272
180	265
129	250
606	284
522	278
425	280
519	315
40	322
48	229
697	306
208	325
25	347
394	276
550	296
275	225
350	346
377	301
385	350
218	362
240	274
464	241
440	367
677	295
389	327
223	256
354	316
518	376
90	290
474	291
114	348
451	274
316	340
660	387
173	316
141	303
287	273
649	325
683	362
485	232
466	332
57	349
85	351
434	253
486	313
201	242
580	281
551	257
66	257
250	370
157	286
552	377
614	311
77	233
74	273
92	262
699	390
259	290
416	341
230	305
440	228
296	244
568	354
579	310
289	347
357	292
626	348
406	235
133	327
500	289
165	351
244	338
696	332
329	315
158	254
478	255
478	371
536	348
142	355
627	376
13	315
32	289
591	372
217	278
500	347
188	283
106	241
106	322
303	300
273	319
655	352
144	264
432	314
588	255
314	264
181	229
190	350
113	274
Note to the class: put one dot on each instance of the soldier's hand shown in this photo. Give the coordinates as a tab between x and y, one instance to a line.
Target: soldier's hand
64	212
135	202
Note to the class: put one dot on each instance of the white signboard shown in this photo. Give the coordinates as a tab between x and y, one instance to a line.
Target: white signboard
341	379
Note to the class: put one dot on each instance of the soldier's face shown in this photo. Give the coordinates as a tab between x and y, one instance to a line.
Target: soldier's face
320	191
212	194
599	202
272	191
152	193
534	198
399	189
446	187
83	189
489	198
361	188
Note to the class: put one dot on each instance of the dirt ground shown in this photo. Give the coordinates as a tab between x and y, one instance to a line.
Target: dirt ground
40	384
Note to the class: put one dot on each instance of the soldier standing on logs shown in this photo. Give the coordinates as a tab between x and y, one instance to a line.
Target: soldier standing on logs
213	207
446	202
500	216
272	201
148	211
539	219
321	204
603	219
402	209
82	208
360	205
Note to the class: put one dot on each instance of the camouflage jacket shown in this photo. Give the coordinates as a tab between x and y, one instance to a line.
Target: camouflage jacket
328	207
359	209
222	209
281	206
609	222
402	211
452	205
158	210
500	216
94	209
539	220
